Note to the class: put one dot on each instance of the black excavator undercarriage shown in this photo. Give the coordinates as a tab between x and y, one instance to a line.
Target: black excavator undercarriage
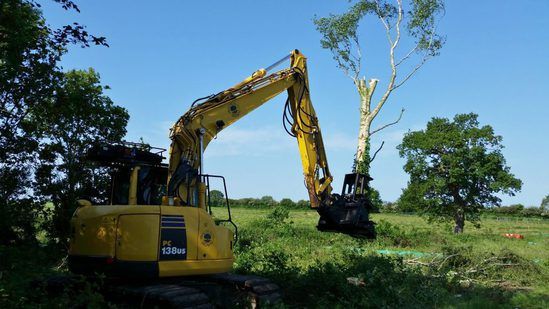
197	292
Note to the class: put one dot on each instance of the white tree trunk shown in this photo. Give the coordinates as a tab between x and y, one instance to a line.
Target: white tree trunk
366	117
363	136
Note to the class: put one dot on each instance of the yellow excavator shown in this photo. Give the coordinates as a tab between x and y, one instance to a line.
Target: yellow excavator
159	219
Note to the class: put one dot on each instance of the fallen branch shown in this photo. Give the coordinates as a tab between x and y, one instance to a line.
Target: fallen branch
62	264
446	259
416	262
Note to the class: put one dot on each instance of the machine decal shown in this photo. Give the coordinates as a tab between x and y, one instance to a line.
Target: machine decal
173	221
173	238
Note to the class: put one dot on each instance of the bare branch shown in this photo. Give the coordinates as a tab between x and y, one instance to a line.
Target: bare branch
416	68
359	58
375	153
346	72
399	19
385	24
393	66
426	57
389	124
407	56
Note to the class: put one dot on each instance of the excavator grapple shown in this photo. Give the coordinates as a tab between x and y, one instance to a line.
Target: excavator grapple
349	212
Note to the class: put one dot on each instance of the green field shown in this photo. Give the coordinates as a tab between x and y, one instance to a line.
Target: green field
412	264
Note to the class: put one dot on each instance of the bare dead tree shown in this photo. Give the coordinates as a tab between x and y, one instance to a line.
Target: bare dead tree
418	20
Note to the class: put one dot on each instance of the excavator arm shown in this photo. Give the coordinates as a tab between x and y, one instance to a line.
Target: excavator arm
208	116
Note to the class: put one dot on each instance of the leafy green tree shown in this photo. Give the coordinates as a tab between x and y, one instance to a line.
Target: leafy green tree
286	202
545	203
409	200
217	198
516	208
456	168
268	201
531	212
27	65
29	75
389	207
80	116
29	55
413	20
18	210
375	199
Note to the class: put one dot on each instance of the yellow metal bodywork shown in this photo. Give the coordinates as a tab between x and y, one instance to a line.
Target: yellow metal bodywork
132	199
94	231
132	233
137	237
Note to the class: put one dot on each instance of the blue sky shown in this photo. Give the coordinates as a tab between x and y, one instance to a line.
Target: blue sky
163	55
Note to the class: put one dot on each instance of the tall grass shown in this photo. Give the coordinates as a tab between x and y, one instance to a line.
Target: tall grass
411	264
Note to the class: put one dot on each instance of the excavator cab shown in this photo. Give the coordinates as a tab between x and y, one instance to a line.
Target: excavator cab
349	212
130	163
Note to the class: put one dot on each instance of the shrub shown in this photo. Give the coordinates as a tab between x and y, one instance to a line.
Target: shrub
268	201
375	199
393	233
287	203
279	215
531	212
265	259
388	207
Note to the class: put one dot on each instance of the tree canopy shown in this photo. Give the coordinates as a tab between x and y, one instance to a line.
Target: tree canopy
30	78
456	168
217	198
545	203
80	116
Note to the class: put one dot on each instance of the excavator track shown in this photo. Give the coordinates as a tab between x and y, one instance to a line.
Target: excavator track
159	295
259	290
213	291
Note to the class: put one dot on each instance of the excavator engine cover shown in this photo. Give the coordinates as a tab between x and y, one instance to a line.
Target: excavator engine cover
349	212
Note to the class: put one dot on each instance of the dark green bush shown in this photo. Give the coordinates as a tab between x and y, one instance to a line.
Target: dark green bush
279	215
26	269
394	235
456	256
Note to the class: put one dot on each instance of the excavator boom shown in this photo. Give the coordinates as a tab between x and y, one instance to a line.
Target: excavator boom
208	116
